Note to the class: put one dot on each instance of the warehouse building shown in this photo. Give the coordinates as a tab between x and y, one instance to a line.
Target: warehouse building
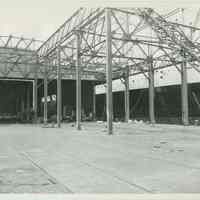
108	103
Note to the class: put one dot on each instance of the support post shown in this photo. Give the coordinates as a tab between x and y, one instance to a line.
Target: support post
109	99
35	98
28	103
94	102
184	93
45	95
59	90
151	91
78	82
126	95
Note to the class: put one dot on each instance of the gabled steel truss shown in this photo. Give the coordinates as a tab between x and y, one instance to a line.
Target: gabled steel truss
104	44
137	36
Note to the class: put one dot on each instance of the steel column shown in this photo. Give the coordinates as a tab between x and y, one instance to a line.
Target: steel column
94	102
59	91
78	82
45	96
28	103
126	96
35	97
184	94
109	99
151	91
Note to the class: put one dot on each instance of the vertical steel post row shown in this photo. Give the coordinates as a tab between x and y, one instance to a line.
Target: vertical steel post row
126	95
45	94
94	102
59	89
109	99
151	91
184	94
78	82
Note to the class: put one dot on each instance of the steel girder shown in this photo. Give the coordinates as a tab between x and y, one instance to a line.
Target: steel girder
18	57
137	34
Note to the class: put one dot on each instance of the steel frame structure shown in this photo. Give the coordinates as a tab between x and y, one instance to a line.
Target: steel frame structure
18	57
114	43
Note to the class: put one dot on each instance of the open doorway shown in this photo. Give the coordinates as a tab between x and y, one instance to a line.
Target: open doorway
16	101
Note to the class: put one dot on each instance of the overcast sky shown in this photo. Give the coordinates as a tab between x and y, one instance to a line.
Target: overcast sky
40	18
34	18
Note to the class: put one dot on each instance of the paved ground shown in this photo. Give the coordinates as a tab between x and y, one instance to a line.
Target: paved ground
139	158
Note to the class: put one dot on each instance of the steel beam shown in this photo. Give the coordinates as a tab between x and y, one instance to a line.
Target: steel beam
45	96
109	99
78	82
184	94
35	98
28	103
59	90
151	91
126	96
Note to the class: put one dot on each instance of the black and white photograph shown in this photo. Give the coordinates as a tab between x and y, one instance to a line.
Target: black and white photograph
99	100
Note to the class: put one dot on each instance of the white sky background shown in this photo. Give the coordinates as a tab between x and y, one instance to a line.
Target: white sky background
40	18
34	18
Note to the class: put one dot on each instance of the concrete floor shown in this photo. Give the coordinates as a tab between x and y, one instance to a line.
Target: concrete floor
139	158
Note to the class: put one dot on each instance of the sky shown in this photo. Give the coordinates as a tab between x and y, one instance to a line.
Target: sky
34	18
40	18
37	18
